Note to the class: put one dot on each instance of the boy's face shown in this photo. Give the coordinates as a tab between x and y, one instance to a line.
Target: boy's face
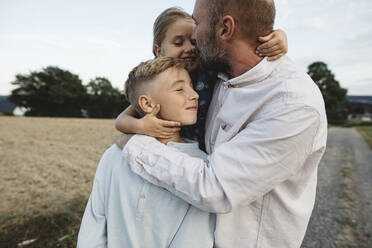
174	92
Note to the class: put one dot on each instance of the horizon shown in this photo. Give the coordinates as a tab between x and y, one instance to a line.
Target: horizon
96	39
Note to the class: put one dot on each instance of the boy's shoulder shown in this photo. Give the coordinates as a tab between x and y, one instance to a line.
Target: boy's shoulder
110	158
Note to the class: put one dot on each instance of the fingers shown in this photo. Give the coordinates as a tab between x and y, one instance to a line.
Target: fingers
169	123
167	134
267	45
274	50
266	38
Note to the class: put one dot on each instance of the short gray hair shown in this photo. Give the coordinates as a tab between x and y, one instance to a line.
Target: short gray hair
254	17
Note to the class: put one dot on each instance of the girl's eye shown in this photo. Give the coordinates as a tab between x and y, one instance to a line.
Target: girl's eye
180	89
178	43
193	42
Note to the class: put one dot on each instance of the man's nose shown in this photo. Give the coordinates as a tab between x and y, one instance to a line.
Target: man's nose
193	35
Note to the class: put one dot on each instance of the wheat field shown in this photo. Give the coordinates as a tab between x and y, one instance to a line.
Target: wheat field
46	162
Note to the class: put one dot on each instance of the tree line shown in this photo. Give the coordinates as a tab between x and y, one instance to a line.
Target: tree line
56	92
59	93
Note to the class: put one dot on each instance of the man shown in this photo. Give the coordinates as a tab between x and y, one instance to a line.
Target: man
265	133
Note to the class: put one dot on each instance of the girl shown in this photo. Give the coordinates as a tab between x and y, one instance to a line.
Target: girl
173	30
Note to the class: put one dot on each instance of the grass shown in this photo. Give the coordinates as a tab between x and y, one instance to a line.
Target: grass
366	132
47	167
56	229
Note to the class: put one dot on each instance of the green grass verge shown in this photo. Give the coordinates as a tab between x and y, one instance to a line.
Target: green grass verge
366	132
57	229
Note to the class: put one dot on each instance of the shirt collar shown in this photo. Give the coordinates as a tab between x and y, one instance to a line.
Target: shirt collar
257	74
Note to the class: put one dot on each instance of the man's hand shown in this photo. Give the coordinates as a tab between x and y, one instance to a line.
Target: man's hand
122	140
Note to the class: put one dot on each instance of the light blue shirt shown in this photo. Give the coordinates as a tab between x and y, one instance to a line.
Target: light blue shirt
123	210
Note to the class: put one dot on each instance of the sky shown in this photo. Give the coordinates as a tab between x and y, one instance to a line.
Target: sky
93	38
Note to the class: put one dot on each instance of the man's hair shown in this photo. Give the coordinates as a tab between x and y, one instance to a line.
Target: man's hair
254	17
143	74
163	21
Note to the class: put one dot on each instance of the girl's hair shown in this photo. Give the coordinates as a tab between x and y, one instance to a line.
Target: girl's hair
163	21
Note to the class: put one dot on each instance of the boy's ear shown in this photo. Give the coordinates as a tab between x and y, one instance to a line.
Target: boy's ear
157	50
227	27
146	104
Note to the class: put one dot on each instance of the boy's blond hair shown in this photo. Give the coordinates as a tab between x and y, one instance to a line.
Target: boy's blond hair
143	74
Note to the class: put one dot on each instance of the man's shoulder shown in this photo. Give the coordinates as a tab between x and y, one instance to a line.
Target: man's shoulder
296	86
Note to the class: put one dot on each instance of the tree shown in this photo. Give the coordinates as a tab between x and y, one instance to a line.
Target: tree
49	92
334	95
104	101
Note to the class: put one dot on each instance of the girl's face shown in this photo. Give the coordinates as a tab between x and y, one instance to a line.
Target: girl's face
179	44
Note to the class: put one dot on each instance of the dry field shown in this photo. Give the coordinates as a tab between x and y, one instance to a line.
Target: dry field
47	167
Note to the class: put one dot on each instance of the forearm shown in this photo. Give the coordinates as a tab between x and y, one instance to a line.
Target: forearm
187	177
126	122
240	171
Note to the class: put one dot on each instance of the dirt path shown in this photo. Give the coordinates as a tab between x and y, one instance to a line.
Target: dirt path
343	210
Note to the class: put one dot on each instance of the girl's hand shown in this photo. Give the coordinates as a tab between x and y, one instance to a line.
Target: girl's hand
151	125
274	46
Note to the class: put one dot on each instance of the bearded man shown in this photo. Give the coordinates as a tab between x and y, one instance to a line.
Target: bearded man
265	135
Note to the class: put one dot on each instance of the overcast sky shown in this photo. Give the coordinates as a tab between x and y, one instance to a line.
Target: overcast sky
94	38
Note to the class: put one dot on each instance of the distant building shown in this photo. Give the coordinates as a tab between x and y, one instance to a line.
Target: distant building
359	108
6	107
9	108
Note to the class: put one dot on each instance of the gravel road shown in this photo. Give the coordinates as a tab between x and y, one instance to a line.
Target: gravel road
342	216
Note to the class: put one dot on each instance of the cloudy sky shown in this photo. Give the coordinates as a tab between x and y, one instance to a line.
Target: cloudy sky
107	38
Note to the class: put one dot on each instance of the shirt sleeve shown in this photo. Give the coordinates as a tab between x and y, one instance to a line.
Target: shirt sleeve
92	231
268	151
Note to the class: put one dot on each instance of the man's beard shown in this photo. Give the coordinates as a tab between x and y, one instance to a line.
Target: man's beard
212	57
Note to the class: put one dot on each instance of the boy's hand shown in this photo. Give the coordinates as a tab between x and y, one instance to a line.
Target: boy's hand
274	46
122	140
151	125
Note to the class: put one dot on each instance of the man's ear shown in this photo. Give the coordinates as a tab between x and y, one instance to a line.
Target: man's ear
146	104
227	28
157	50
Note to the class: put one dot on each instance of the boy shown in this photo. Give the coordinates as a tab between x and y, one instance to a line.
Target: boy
124	210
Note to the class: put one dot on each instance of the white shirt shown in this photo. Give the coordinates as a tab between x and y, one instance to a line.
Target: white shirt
266	133
125	211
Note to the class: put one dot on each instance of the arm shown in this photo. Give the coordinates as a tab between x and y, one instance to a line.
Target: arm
93	228
275	45
264	154
150	125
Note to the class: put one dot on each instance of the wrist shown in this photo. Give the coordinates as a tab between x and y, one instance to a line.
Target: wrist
140	127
